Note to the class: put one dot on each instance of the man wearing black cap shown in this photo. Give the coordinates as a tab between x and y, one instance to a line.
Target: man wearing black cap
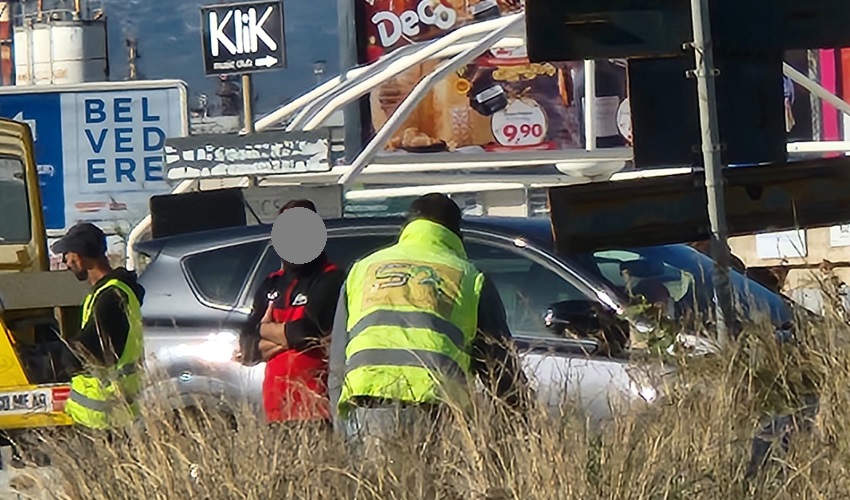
293	313
110	342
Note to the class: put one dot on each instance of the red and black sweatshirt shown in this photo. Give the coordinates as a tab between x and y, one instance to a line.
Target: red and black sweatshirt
311	285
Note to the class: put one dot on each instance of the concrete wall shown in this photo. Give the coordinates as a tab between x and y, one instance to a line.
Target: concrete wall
802	257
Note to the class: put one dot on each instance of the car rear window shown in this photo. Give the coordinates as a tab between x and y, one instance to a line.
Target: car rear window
219	275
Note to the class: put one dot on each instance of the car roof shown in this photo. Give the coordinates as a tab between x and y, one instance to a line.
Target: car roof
537	230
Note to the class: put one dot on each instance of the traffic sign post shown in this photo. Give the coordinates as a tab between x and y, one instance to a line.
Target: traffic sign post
707	99
247	103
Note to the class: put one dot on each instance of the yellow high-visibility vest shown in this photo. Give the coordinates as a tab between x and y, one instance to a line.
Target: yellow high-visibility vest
412	317
107	399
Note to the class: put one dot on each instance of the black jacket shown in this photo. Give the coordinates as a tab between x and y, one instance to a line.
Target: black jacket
105	335
321	290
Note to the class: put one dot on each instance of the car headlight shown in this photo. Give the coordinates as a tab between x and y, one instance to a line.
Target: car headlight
641	385
646	392
218	347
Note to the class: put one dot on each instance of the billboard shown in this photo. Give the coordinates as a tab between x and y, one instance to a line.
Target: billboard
499	102
99	147
264	153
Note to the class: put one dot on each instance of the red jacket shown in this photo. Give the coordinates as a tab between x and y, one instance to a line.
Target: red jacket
295	384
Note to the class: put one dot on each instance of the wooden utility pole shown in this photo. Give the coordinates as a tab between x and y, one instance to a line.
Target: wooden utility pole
247	103
132	56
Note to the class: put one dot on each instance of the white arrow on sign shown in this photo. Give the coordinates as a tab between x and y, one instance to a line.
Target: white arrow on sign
30	122
265	62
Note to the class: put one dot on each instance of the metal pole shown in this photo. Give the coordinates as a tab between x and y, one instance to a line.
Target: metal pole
590	105
346	28
813	58
705	73
248	103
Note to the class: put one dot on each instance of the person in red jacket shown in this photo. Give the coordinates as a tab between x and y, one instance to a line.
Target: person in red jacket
289	328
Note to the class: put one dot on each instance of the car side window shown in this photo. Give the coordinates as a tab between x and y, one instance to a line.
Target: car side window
640	276
526	287
345	250
342	250
15	223
219	275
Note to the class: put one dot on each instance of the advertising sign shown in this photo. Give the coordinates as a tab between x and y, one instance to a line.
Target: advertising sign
500	102
243	38
264	203
99	148
781	245
839	236
267	153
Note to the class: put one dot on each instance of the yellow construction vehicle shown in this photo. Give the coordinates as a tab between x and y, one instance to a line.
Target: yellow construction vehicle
38	308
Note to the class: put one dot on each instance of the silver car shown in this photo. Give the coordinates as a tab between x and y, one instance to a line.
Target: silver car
200	287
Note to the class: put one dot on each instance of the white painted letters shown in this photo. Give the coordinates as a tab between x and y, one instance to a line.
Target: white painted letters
391	27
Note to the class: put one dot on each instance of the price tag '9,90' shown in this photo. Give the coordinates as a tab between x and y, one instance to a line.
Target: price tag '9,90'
521	123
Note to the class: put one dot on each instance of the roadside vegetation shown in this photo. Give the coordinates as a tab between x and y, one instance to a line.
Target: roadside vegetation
695	444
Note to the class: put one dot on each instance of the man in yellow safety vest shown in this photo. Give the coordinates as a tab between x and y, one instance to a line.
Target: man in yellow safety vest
415	322
109	347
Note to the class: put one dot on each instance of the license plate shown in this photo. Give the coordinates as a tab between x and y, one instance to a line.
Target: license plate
22	403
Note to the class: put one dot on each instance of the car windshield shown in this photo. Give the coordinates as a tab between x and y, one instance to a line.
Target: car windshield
15	222
678	278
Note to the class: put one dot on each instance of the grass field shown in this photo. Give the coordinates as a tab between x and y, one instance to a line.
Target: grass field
694	444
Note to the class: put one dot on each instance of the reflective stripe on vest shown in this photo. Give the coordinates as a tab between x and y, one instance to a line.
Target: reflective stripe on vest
97	403
412	316
411	319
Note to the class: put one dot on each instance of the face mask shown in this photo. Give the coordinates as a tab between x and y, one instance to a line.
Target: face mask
288	266
79	272
82	275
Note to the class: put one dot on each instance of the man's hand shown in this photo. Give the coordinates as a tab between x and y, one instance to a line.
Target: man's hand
269	349
274	332
271	331
268	316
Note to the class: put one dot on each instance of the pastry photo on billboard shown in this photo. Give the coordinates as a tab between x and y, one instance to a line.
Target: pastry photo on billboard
499	102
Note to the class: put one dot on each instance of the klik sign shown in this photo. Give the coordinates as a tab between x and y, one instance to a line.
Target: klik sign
217	156
243	38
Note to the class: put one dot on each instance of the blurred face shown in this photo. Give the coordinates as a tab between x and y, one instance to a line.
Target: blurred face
76	265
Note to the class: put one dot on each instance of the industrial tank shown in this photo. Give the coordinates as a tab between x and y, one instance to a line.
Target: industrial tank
5	43
60	52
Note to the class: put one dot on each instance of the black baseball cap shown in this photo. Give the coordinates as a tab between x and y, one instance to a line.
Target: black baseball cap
84	239
439	208
302	203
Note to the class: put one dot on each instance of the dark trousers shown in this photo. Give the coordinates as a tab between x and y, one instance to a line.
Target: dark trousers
775	436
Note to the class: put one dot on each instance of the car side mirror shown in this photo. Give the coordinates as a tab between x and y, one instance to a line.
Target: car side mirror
577	315
587	319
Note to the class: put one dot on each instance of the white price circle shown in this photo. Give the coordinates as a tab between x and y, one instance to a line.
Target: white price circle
624	119
522	123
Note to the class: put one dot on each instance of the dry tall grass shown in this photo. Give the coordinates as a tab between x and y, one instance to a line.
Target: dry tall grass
694	445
